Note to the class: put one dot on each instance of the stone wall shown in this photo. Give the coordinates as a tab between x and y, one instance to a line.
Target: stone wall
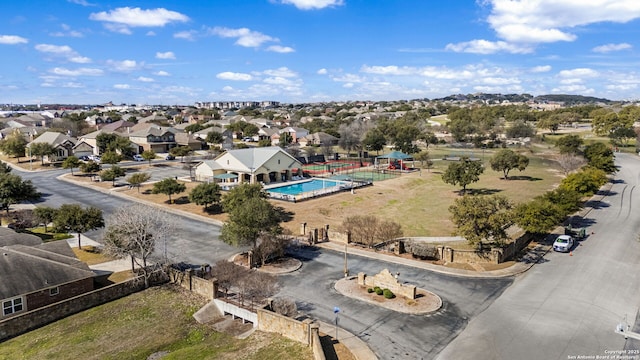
385	280
316	345
39	317
293	329
188	280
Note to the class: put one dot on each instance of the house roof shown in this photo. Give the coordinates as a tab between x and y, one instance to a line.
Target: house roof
26	269
255	157
321	136
54	138
9	237
153	130
116	126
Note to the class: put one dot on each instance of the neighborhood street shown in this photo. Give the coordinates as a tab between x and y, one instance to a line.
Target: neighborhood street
569	304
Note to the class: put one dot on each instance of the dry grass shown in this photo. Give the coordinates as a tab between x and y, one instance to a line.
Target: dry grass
91	255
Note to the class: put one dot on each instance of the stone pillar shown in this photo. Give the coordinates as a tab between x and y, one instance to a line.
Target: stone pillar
326	232
303	228
348	237
314	333
361	278
315	235
448	254
190	276
320	235
250	259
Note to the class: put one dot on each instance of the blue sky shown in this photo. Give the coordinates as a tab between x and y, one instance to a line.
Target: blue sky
179	52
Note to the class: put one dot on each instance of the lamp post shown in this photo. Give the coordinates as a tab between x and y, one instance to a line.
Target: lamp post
346	268
30	159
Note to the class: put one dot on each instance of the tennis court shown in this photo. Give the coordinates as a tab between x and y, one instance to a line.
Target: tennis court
367	175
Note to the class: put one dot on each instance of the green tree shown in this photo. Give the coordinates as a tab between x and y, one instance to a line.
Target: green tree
520	129
480	218
538	216
506	159
600	156
110	157
605	121
137	179
42	149
14	145
236	196
70	163
111	174
114	142
90	167
463	173
4	168
148	155
374	140
550	122
169	186
14	190
45	215
75	218
568	201
214	137
622	135
586	182
205	194
246	223
569	144
181	151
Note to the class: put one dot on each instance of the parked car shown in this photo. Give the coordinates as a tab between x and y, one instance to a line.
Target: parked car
563	243
84	158
138	157
247	139
170	157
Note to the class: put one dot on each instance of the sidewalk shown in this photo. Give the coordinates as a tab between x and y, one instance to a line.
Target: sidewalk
109	266
358	348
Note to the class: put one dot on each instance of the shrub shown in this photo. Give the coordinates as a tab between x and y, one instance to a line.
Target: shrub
369	290
378	290
388	294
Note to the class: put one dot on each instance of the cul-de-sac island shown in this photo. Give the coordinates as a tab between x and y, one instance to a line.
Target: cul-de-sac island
467	227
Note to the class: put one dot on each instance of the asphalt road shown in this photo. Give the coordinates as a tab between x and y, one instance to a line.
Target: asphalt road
569	304
391	335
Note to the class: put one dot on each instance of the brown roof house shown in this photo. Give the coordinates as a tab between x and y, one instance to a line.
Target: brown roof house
157	138
62	143
36	274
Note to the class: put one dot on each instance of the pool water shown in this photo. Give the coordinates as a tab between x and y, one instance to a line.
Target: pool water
299	188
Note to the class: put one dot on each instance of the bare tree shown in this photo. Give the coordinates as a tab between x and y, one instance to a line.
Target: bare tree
257	286
228	275
134	232
284	306
272	246
570	162
369	230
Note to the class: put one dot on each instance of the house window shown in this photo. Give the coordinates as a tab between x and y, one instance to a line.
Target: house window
278	161
11	306
54	291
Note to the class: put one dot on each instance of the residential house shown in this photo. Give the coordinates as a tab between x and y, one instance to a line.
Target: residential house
318	138
157	138
62	143
252	165
36	274
296	133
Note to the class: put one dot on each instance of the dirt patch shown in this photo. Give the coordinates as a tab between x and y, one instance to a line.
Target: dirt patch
281	265
425	302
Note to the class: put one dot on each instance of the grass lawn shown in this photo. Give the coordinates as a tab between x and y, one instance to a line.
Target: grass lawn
419	201
136	326
47	235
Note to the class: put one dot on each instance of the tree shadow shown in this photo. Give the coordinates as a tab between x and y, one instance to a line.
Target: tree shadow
181	200
480	191
213	209
606	193
301	251
596	204
285	215
617	181
523	177
304	306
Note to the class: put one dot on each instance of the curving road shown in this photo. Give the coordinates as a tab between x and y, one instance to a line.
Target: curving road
569	305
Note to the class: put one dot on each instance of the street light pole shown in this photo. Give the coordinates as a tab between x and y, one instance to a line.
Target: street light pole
346	268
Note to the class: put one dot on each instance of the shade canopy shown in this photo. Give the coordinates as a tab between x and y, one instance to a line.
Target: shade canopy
225	176
399	155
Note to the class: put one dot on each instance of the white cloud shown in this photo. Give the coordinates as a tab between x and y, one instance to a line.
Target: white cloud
349	78
62	51
122	86
67	32
245	37
280	49
348	85
162	73
576	89
578	73
121	19
278	80
227	75
281	72
388	70
488	47
77	72
495	81
81	2
541	69
165	55
187	35
150	33
322	71
145	79
73	85
124	65
12	40
544	21
611	47
313	4
622	87
571	81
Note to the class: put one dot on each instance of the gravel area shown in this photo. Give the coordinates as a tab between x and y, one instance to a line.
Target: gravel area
425	302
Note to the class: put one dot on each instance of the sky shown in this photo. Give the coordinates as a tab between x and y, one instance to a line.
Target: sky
294	51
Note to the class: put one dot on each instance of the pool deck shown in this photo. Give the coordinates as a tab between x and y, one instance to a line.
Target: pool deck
342	186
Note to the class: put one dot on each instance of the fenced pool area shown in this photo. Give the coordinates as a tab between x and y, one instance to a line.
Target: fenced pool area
309	188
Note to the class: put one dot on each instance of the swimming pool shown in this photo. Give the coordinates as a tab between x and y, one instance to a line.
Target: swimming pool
303	187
